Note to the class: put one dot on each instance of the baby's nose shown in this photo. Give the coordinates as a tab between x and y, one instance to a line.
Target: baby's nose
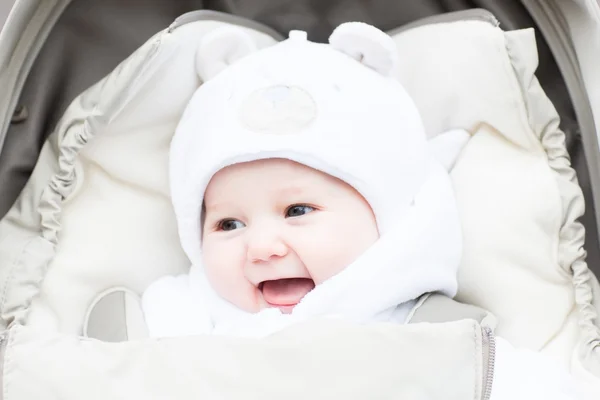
265	245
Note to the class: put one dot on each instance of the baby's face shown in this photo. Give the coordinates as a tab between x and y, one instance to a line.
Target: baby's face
273	229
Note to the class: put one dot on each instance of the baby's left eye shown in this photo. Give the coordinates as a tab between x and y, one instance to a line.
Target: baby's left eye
298	210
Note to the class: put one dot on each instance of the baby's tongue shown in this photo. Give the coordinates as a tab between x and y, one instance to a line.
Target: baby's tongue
286	292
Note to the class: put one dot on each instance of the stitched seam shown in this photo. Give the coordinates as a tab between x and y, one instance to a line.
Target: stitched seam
475	397
12	333
12	270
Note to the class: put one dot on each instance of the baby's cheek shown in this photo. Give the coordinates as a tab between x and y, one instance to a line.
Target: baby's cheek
224	266
216	266
325	255
332	249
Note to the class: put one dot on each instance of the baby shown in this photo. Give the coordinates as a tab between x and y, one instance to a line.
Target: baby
296	172
304	186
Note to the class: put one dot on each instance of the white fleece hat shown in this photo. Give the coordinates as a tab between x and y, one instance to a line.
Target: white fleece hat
333	107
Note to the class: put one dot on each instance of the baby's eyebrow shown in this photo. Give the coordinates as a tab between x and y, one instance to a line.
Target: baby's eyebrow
292	190
216	207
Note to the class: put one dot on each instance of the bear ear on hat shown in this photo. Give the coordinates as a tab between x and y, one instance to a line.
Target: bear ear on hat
366	44
221	48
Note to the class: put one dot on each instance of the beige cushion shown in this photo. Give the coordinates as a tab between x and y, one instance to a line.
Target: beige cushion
516	191
512	202
368	362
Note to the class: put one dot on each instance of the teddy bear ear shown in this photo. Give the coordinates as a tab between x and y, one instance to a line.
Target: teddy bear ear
221	48
366	44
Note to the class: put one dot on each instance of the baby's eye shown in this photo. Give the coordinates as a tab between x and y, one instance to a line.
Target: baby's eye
298	210
230	225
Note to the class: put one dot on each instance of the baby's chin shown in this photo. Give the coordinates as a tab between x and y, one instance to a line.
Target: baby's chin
262	304
286	309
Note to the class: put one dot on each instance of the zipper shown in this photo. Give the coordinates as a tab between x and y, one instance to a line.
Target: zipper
3	344
489	361
475	14
203	15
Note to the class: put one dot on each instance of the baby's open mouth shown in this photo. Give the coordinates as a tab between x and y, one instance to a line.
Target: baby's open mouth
286	293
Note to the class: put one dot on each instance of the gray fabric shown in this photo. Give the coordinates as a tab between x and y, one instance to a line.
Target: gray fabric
476	14
109	308
5	7
116	316
583	143
84	118
210	15
107	319
437	308
81	50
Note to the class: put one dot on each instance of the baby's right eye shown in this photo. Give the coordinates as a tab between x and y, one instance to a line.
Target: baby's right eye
230	225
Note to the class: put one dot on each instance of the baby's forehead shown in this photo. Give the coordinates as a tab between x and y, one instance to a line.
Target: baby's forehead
269	172
271	177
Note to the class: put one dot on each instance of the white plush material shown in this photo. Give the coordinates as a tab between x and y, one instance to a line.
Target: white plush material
517	195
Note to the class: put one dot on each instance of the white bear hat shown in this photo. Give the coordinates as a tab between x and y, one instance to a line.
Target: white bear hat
334	107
